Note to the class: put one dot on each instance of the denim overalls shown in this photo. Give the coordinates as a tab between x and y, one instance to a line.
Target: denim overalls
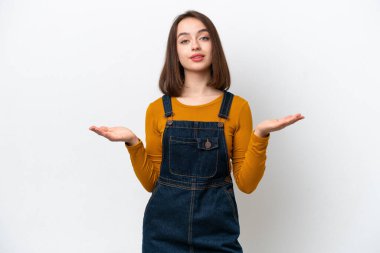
192	207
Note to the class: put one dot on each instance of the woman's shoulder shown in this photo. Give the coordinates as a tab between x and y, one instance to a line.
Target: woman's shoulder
239	99
238	102
156	101
156	106
240	110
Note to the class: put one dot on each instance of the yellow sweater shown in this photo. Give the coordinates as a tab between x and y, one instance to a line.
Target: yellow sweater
246	150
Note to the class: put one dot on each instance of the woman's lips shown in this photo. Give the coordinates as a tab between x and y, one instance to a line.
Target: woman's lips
197	58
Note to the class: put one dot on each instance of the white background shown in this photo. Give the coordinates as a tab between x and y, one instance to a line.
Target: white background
67	65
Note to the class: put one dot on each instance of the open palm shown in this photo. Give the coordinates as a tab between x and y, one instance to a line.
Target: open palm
114	133
268	126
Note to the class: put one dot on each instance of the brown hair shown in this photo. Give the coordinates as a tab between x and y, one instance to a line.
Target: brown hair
172	75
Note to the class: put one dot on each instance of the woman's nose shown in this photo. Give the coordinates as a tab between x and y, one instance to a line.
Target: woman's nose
195	45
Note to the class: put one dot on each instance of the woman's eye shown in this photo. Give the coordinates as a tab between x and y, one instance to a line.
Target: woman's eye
207	38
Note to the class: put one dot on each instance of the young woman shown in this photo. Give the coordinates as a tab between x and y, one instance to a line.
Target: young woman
192	133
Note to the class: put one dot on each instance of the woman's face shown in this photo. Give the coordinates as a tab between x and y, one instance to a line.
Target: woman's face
193	38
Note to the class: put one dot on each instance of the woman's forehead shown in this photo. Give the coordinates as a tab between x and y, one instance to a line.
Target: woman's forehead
190	25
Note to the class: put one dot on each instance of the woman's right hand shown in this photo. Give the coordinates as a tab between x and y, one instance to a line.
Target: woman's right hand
116	134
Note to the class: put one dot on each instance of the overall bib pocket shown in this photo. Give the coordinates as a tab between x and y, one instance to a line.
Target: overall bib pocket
193	157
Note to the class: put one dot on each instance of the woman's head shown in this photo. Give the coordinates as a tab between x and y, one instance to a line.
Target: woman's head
191	33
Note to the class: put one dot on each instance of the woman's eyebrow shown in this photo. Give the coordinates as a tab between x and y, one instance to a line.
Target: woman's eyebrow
202	30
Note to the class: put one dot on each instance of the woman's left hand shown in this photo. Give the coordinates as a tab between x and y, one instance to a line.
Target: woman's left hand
267	126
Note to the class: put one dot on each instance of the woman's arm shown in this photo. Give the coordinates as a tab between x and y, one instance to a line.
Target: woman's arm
146	162
248	153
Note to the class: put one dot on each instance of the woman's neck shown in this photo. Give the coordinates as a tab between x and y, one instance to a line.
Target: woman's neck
195	84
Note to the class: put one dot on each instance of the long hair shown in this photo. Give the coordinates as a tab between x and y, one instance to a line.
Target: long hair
172	75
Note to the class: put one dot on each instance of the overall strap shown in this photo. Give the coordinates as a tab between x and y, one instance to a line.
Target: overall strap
226	104
167	105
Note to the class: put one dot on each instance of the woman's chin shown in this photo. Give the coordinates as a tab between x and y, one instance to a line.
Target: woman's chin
200	68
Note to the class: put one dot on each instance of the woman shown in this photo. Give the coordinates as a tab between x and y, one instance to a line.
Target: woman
192	133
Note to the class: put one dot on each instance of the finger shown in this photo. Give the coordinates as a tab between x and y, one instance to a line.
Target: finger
295	119
298	117
98	131
288	120
288	117
93	128
285	120
295	116
104	134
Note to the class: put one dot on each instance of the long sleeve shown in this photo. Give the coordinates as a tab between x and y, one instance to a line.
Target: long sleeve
249	153
146	161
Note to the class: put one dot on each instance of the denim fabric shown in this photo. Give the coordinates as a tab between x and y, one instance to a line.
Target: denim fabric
192	207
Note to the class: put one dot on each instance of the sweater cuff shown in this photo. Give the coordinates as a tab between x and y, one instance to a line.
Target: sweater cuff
133	147
260	139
